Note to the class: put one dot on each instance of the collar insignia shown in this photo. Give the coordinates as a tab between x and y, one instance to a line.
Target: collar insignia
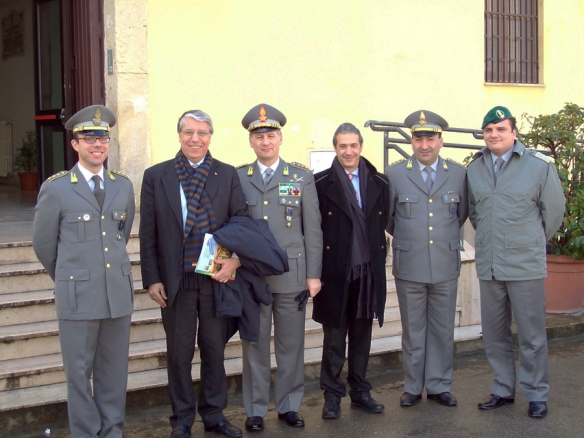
409	165
73	177
285	172
250	171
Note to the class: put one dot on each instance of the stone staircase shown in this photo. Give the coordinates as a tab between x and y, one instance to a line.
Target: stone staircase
31	369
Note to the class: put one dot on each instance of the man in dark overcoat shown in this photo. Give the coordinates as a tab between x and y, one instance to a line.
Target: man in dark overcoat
353	201
182	199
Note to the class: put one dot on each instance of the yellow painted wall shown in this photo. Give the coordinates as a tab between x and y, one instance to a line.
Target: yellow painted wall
330	61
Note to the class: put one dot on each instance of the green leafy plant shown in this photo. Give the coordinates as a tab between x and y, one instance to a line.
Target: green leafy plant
26	160
562	135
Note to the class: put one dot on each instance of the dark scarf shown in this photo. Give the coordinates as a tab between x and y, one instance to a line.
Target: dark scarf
360	257
200	214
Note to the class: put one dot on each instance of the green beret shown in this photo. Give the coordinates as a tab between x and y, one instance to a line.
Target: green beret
496	115
263	118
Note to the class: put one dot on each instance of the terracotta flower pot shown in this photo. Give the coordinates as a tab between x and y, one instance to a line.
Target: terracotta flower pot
28	182
564	285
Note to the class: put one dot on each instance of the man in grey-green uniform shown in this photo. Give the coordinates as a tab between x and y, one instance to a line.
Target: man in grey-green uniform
428	204
284	195
516	206
82	224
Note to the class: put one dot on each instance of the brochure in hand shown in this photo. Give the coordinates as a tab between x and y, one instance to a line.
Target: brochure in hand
210	251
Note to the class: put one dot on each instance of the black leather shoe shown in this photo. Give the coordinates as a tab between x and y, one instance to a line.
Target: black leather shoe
225	428
537	409
292	419
254	424
331	409
406	400
444	398
181	431
368	405
494	401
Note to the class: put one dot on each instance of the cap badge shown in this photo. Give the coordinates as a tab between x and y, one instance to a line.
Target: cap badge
263	115
500	114
97	117
422	119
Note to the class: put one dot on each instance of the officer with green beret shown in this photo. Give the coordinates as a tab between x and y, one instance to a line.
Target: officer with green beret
516	206
283	194
428	204
82	224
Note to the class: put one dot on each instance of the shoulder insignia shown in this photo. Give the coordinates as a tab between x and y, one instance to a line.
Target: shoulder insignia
241	165
395	163
117	172
450	160
299	166
476	156
542	156
58	175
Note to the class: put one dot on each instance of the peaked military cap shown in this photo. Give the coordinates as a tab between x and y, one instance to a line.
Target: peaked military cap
263	118
497	114
92	120
425	122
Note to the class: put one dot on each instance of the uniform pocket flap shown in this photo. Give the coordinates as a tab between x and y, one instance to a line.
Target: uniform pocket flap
127	268
407	198
80	216
404	245
73	274
119	215
450	198
295	253
521	241
252	201
454	245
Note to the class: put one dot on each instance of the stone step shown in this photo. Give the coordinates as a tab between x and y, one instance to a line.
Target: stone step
31	276
41	338
142	380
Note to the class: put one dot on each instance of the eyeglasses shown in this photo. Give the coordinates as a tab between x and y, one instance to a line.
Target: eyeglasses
92	140
199	133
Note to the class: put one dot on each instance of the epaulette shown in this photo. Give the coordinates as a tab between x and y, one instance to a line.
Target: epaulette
57	176
117	172
243	165
476	156
300	166
541	156
395	163
450	160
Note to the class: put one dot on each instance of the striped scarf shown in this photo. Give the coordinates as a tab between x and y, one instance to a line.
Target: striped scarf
200	213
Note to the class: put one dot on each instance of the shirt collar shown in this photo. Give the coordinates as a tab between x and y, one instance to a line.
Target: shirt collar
87	174
263	167
506	156
433	166
197	164
354	172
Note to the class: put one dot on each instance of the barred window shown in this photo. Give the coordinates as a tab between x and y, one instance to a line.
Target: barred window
511	41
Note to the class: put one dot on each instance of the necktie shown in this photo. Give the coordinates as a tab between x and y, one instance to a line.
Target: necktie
98	191
268	174
429	181
351	176
499	162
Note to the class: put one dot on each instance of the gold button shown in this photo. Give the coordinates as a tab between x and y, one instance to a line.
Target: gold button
330	213
103	218
106	250
430	201
299	255
103	234
79	218
397	246
265	217
407	199
107	266
71	278
431	242
265	202
431	228
431	214
382	246
380	213
328	247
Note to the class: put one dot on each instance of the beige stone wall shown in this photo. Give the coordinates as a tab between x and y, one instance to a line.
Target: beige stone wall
126	27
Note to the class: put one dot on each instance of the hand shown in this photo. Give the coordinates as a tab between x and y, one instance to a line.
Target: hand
156	292
313	285
228	267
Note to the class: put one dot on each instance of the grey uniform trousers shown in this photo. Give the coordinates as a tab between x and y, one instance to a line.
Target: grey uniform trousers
525	300
98	346
289	325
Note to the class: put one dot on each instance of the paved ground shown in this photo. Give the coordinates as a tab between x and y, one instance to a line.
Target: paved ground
472	378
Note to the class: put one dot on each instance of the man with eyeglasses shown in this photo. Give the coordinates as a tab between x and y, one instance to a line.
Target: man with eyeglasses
82	224
181	200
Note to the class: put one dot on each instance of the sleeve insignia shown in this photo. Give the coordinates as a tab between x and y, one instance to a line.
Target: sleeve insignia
542	157
59	175
117	172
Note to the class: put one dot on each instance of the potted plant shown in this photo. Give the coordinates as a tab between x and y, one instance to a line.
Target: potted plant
26	162
562	135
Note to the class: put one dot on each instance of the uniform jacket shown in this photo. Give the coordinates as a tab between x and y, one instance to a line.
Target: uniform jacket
514	221
82	247
161	221
302	238
329	304
426	225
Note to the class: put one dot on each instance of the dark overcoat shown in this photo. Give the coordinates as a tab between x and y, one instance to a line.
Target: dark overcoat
337	228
